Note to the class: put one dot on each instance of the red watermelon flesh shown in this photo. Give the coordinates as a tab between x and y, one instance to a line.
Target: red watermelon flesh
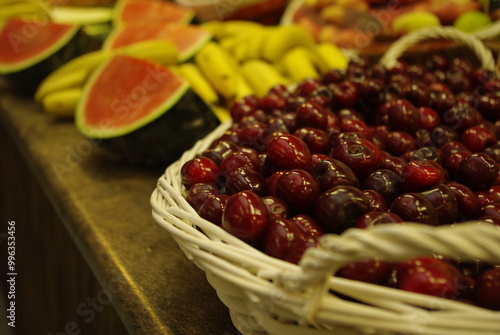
125	94
186	38
22	40
152	10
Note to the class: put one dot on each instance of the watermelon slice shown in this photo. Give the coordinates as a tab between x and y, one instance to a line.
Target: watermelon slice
142	112
188	39
30	50
150	11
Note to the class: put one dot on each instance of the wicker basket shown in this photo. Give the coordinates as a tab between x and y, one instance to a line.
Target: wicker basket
265	295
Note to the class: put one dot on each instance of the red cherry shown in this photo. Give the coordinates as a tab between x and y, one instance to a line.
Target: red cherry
429	118
487	290
246	216
298	189
478	138
199	170
420	175
368	271
289	152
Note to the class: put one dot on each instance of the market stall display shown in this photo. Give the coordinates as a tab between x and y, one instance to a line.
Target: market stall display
325	178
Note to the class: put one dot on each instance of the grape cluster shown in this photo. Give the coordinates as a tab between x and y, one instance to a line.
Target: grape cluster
356	148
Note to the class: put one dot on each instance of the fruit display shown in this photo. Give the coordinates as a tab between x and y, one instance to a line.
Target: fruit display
357	148
360	24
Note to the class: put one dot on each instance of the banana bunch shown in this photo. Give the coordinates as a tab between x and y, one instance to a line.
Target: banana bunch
264	56
60	92
37	9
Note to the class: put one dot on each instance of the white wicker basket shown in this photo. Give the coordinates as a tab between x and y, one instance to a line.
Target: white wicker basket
265	295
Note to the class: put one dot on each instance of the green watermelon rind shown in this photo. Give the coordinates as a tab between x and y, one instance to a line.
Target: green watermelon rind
158	139
110	133
26	64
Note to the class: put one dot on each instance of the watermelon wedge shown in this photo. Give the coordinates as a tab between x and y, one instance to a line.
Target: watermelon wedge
30	50
150	11
142	112
188	39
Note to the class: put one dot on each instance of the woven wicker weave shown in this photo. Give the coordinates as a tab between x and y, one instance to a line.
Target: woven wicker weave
265	295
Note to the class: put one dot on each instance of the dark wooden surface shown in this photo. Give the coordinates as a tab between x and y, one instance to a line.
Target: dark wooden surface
89	257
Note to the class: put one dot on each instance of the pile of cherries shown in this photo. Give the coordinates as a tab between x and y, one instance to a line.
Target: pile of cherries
419	142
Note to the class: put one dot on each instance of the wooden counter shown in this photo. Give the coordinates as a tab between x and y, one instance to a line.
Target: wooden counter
89	257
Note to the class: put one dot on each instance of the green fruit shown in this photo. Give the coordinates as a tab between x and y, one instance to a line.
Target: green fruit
412	21
472	21
142	112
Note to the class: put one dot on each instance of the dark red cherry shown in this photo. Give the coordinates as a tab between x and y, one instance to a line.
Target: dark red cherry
403	116
220	150
316	139
367	271
359	157
478	171
414	207
308	225
307	86
198	193
478	138
466	200
276	207
441	100
199	170
345	94
420	175
377	201
289	152
235	160
246	216
271	103
393	163
279	237
338	208
245	178
311	114
332	172
299	190
213	207
487	290
460	117
399	143
444	201
430	276
385	182
429	118
272	180
371	218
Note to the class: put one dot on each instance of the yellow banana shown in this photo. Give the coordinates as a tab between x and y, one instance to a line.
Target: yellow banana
284	38
231	28
71	74
218	67
198	82
331	56
54	83
243	89
159	51
83	15
24	9
62	104
298	65
261	76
